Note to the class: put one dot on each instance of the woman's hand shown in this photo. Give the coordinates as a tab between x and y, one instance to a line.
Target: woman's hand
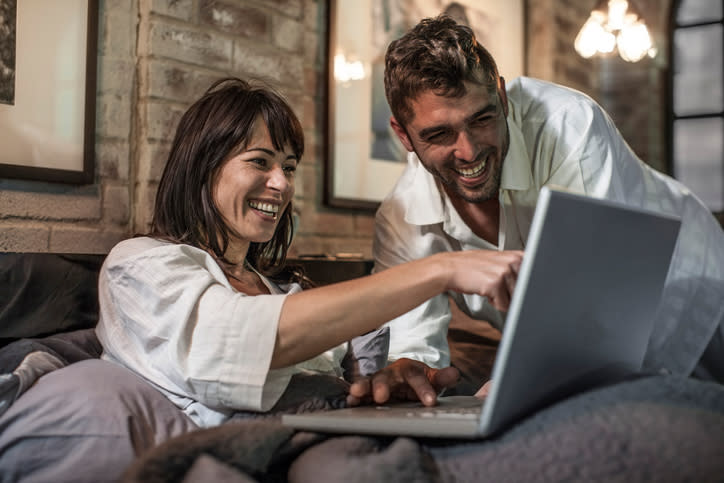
485	272
403	380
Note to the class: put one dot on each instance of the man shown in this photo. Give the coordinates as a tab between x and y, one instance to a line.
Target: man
479	154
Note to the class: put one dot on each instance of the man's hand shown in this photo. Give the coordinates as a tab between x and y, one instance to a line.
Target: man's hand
484	390
403	380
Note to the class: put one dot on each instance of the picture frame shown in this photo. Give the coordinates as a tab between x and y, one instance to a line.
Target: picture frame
47	119
363	157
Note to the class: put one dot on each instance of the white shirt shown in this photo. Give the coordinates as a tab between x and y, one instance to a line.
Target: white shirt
560	137
168	313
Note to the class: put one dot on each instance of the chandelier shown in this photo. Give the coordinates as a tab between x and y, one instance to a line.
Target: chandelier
615	25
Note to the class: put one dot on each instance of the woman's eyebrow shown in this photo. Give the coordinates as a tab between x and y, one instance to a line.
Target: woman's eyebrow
264	150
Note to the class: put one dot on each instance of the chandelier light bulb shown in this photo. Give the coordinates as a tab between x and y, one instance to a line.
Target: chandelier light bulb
612	28
589	37
634	42
616	14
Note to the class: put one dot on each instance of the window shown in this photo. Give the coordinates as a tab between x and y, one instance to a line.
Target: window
698	99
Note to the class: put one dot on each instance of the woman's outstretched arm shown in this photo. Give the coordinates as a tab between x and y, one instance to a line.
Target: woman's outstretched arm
318	319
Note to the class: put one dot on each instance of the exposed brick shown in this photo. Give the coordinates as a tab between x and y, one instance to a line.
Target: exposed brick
178	82
162	120
325	223
156	155
315	15
313	84
199	47
113	115
117	29
232	18
145	196
306	181
112	159
286	70
116	204
25	237
180	9
77	239
49	206
365	225
290	8
116	75
288	34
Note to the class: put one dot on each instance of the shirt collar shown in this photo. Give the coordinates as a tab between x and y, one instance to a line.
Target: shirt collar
516	173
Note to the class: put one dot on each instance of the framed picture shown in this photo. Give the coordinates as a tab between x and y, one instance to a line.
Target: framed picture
48	89
364	158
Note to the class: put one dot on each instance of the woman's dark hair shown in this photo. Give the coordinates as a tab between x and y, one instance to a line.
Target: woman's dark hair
438	54
216	127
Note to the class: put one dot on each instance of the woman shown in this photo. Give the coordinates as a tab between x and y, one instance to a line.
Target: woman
197	307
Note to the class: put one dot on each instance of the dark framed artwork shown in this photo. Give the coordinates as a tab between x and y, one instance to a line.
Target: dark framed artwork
48	89
364	158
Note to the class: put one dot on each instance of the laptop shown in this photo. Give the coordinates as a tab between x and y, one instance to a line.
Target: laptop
580	317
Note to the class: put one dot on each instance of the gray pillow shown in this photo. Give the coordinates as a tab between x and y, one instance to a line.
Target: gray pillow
85	422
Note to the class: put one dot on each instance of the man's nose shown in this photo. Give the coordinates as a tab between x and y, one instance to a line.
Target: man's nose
465	146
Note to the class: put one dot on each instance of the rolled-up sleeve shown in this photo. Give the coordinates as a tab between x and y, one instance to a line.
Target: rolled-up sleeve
169	314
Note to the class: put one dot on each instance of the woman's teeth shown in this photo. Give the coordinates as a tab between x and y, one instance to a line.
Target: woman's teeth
266	208
474	171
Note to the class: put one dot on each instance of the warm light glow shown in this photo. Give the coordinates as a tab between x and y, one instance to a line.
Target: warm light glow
590	36
634	42
616	14
617	27
345	71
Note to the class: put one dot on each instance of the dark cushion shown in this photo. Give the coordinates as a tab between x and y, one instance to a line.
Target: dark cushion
46	293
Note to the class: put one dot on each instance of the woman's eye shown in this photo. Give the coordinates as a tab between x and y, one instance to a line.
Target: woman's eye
258	161
290	169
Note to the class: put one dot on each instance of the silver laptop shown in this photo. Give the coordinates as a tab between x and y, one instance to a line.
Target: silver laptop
580	317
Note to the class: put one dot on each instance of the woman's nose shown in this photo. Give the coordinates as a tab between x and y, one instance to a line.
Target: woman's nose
278	179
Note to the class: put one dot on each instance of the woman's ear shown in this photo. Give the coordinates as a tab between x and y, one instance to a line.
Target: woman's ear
401	134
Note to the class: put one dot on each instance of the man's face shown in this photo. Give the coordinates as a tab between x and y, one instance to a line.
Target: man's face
462	141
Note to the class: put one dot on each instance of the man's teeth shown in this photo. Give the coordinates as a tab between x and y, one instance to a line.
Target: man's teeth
474	171
266	208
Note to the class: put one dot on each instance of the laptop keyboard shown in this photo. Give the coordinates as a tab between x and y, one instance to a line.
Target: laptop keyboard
447	408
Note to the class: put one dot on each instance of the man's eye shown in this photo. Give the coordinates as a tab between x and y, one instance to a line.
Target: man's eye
438	137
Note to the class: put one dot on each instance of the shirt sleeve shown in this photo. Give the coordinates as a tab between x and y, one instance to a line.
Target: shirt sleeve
420	334
690	313
169	314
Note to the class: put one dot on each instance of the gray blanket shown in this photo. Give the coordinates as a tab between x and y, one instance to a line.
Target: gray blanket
657	429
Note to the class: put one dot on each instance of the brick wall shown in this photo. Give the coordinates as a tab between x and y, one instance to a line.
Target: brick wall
156	56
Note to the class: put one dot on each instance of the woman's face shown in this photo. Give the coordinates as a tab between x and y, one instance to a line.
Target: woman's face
253	188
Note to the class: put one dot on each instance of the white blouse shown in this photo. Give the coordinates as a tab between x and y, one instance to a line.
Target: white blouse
168	313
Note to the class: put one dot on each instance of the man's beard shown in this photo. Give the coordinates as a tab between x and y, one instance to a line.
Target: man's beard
487	192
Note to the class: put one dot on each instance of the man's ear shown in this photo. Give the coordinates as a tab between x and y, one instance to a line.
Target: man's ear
401	134
503	95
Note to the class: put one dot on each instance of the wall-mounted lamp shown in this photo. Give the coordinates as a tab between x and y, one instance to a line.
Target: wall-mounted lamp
345	70
615	24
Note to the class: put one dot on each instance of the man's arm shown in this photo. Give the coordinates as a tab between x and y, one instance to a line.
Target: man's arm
420	334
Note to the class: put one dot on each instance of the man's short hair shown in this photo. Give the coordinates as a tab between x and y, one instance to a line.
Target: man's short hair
437	54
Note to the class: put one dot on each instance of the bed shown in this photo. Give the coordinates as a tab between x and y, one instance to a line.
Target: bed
66	415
